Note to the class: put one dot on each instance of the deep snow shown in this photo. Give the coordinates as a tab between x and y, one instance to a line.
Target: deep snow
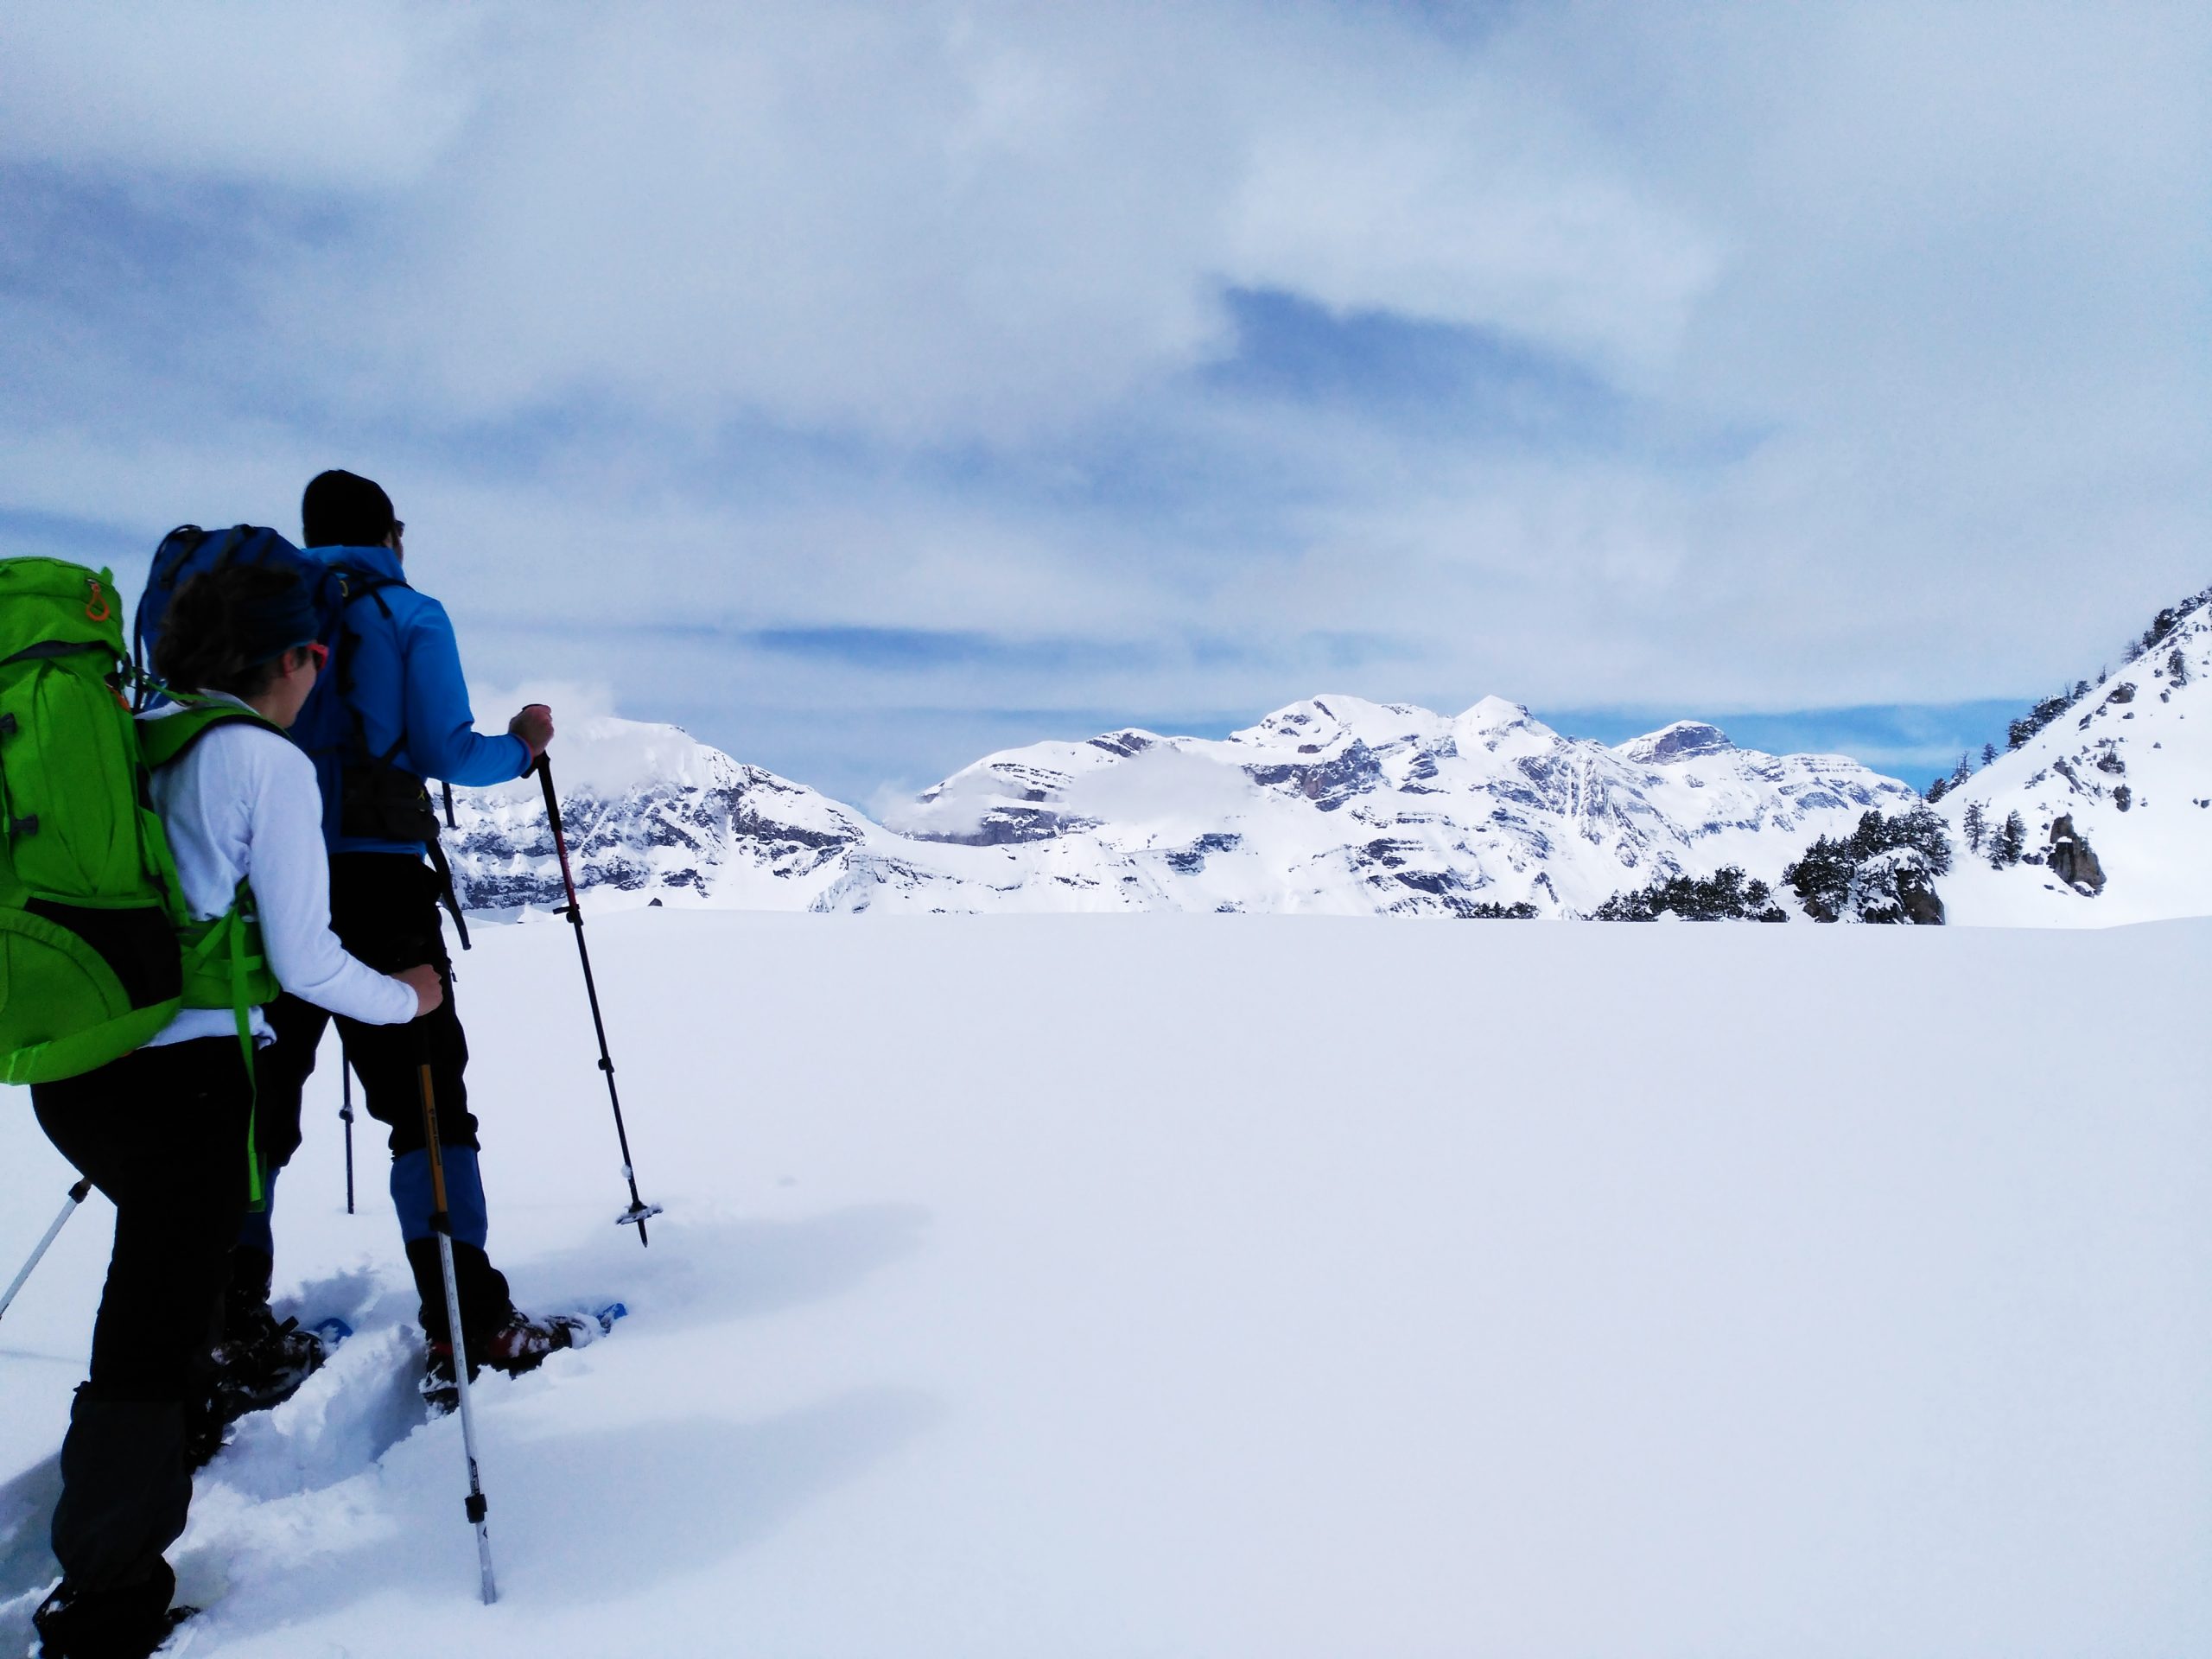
1056	1285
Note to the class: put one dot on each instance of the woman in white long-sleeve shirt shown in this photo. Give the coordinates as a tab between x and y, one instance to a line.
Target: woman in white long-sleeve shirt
164	1132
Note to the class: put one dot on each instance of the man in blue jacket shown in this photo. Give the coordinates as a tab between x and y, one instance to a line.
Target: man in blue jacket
405	718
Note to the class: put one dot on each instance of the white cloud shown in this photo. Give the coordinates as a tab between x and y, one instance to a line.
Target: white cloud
1901	298
345	93
931	221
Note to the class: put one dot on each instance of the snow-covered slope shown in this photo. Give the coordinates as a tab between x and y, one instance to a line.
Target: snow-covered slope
2130	766
1331	805
1033	1290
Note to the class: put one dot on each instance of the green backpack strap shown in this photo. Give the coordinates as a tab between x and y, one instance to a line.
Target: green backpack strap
164	740
226	966
225	963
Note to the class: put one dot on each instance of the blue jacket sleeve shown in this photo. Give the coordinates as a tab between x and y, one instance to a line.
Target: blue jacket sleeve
441	737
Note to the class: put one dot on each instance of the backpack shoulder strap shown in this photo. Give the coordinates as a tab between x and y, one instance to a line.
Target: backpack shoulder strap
355	582
167	739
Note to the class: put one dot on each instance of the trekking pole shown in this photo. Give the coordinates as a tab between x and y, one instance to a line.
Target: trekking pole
68	1208
638	1210
442	1223
346	1117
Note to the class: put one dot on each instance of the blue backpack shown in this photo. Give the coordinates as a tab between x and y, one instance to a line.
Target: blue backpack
328	727
187	551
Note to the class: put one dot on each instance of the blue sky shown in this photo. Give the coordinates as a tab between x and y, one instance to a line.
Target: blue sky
867	386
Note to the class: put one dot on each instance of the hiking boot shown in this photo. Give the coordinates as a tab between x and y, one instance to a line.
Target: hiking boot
128	1622
522	1343
518	1343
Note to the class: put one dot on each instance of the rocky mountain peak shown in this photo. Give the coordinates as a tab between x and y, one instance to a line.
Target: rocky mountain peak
1679	742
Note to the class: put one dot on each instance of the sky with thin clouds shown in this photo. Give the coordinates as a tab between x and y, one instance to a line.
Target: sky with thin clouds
865	386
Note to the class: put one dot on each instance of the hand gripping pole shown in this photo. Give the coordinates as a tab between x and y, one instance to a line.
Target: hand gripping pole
477	1506
68	1208
638	1210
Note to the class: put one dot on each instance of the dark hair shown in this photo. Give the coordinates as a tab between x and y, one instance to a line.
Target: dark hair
218	632
342	509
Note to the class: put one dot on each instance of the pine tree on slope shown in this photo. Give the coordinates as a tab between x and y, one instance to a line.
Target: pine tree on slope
2010	842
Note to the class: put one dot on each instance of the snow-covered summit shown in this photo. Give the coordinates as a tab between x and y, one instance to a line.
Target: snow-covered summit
1333	803
650	811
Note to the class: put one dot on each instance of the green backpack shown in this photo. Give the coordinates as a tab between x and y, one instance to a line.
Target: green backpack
89	962
97	952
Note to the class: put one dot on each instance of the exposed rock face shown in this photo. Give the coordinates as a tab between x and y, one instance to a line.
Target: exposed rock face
2069	858
1917	896
1679	742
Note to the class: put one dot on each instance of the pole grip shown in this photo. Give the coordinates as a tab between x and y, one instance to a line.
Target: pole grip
544	770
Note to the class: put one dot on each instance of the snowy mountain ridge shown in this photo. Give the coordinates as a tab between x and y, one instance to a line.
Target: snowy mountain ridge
1330	805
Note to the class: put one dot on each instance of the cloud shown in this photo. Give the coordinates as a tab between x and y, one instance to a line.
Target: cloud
930	221
570	699
348	94
992	359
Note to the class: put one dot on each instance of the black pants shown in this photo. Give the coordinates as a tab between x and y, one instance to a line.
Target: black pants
383	907
162	1133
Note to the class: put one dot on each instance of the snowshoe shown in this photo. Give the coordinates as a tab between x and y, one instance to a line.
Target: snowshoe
265	1363
259	1363
441	1394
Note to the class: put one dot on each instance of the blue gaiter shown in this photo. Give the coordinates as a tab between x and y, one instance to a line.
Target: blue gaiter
411	1195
